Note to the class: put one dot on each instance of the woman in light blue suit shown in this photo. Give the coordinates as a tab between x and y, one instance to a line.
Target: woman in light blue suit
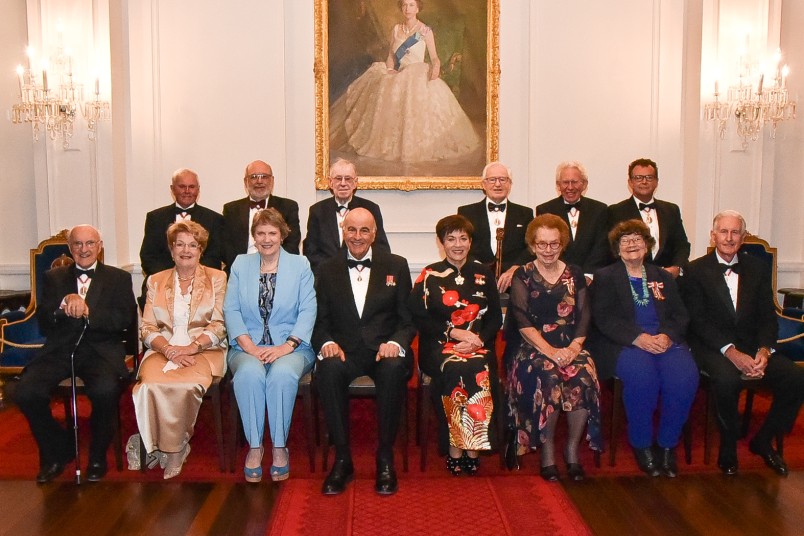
269	310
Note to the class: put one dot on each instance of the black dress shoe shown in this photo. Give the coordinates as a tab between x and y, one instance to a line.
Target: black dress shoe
386	483
96	471
342	473
646	461
575	472
728	468
549	473
667	461
770	457
48	472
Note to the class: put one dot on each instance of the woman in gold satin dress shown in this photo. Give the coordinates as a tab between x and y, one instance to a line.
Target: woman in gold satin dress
183	331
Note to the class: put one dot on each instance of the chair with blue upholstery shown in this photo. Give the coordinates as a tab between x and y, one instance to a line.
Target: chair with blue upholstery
20	336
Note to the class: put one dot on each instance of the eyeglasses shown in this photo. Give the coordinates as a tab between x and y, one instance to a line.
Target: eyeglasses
497	180
636	240
259	176
343	178
89	244
643	178
544	246
181	245
574	184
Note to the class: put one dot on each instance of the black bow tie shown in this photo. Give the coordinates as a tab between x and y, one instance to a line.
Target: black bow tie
183	211
256	204
649	206
496	208
89	273
733	267
569	207
365	263
341	209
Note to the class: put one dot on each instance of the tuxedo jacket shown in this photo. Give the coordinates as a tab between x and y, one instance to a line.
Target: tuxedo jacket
674	248
324	238
237	227
614	323
590	248
386	316
714	321
514	249
206	311
155	253
294	302
110	299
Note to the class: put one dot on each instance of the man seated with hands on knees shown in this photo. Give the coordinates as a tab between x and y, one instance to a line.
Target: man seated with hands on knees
733	331
363	328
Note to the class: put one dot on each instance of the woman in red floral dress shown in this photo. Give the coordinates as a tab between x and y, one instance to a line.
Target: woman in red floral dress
456	307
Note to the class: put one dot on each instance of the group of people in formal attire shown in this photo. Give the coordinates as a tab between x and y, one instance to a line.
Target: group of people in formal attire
592	292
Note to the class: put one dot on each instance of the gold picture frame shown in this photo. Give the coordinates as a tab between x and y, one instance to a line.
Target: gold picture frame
353	35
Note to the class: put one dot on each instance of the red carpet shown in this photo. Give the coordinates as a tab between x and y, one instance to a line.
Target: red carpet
19	456
500	505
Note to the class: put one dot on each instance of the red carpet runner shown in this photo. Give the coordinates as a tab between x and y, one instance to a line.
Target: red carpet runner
503	505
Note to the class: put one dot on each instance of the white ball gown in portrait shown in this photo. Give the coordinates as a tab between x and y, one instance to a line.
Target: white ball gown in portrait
403	116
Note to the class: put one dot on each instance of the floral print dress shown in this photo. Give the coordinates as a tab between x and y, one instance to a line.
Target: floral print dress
537	386
446	297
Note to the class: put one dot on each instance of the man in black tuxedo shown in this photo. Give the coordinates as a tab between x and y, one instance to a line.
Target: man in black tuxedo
102	296
323	239
586	218
672	249
363	327
237	215
733	330
493	212
154	253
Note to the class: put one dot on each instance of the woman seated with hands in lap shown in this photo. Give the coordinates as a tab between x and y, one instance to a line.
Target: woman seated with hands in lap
642	321
551	370
183	329
270	311
456	307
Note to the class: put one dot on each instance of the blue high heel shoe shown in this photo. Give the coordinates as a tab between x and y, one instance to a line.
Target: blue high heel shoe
254	474
281	473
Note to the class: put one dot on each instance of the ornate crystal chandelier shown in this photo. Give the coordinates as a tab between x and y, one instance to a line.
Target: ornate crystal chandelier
50	100
758	96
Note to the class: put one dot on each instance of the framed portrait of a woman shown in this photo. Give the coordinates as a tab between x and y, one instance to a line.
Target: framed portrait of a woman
407	90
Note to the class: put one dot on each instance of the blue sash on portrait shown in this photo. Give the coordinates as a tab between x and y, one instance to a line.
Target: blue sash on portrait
403	48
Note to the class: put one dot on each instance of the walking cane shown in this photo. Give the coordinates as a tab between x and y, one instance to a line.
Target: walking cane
75	398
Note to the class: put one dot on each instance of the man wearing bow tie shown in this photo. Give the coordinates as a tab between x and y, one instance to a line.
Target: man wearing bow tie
237	215
495	211
733	330
672	249
586	218
323	239
154	253
102	296
363	327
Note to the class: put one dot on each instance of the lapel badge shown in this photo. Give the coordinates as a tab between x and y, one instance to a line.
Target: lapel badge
390	281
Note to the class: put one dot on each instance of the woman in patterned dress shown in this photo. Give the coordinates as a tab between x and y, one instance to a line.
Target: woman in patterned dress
551	371
456	307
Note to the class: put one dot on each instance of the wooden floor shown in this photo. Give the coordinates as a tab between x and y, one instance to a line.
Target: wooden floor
707	504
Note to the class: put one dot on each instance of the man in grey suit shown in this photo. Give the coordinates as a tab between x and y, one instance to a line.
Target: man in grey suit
323	240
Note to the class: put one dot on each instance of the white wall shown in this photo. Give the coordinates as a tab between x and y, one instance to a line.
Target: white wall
224	83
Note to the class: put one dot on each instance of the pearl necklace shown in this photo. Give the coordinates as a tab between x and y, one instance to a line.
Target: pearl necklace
412	30
641	301
190	278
